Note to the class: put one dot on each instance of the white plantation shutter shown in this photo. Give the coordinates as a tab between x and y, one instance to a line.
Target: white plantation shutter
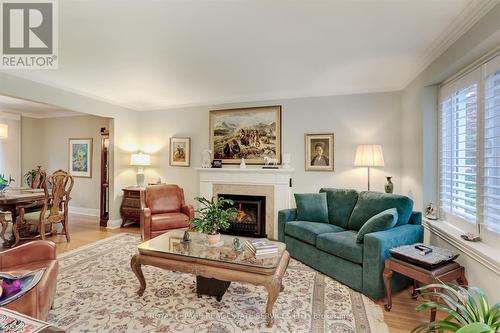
458	151
491	181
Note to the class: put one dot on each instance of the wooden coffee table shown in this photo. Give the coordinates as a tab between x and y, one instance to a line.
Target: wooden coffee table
168	251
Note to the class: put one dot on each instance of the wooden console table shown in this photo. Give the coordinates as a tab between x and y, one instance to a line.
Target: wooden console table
130	209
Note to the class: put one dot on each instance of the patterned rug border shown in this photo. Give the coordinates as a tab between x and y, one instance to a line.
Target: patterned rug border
369	314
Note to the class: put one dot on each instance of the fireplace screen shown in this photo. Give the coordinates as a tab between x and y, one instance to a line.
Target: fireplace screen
251	218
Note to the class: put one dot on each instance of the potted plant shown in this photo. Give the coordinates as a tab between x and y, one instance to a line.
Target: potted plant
467	308
213	215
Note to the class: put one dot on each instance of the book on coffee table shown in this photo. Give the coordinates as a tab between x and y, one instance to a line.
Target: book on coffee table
261	246
16	284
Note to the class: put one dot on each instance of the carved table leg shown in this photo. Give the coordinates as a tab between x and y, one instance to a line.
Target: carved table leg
388	292
4	223
136	268
273	290
414	291
462	280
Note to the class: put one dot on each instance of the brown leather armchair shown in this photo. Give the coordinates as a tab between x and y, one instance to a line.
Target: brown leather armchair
162	209
31	256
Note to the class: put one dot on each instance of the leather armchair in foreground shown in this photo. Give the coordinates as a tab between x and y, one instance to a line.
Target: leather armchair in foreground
31	256
163	209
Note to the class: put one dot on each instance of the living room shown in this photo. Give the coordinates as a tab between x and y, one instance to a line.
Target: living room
293	109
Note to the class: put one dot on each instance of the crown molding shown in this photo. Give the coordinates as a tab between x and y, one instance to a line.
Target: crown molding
53	114
469	16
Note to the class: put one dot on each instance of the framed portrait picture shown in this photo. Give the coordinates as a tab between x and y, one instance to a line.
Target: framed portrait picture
320	155
249	133
180	152
80	157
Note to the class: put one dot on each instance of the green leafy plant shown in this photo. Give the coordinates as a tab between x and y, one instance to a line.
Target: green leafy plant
213	215
467	308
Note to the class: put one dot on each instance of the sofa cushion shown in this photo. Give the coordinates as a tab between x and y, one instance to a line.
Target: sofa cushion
372	203
308	231
380	222
312	207
341	244
340	205
169	221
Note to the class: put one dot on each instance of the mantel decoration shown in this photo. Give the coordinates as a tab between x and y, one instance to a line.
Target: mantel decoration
80	157
249	133
4	183
180	152
320	154
213	215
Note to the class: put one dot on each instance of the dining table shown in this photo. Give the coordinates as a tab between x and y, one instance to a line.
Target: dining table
10	201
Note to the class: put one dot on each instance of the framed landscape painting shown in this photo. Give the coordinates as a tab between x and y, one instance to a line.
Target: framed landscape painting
249	133
180	152
80	157
319	152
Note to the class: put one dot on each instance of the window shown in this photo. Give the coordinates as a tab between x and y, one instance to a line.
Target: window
469	149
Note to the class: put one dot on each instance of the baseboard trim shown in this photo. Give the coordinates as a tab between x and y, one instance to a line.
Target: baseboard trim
114	224
84	211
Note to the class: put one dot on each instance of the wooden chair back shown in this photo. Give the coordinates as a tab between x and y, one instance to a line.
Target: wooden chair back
57	198
36	178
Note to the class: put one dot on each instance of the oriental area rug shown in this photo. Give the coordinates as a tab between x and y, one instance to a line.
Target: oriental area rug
97	292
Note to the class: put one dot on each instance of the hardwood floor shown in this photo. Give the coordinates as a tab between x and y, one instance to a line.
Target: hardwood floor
85	230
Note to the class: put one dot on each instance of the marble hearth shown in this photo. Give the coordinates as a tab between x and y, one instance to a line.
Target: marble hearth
274	184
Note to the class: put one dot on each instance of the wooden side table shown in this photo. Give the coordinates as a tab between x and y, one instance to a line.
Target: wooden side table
130	209
445	273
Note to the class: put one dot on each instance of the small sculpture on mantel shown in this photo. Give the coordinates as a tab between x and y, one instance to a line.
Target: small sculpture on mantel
243	165
206	158
270	163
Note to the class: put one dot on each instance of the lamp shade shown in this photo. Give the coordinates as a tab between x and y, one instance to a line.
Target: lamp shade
4	131
140	159
369	156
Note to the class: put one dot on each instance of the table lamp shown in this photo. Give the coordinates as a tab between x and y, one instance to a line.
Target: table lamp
369	156
140	160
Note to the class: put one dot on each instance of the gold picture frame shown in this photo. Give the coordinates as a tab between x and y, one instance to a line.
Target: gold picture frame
251	133
319	152
180	155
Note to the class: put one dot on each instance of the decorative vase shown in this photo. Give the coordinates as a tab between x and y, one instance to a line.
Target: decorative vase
237	245
389	186
214	240
243	165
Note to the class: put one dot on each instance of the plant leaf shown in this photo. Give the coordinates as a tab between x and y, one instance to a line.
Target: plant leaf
475	328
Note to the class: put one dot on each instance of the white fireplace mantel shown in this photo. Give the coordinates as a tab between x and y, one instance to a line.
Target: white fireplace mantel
279	179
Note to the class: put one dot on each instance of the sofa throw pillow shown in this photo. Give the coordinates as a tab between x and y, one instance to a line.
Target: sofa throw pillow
380	222
312	207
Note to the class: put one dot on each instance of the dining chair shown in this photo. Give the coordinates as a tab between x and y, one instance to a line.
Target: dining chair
55	206
35	178
4	223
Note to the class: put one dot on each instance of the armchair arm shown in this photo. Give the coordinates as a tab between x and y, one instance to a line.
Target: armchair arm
30	252
188	210
416	218
376	249
145	223
285	216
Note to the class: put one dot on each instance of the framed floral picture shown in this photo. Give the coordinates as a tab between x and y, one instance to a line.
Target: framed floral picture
180	152
250	133
319	152
80	157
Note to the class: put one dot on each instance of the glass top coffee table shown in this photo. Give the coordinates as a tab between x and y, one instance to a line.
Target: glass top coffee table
168	251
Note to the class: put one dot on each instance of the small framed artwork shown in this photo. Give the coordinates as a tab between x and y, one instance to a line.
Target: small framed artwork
80	157
320	153
217	164
180	152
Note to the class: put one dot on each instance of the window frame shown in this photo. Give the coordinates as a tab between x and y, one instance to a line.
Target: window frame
479	68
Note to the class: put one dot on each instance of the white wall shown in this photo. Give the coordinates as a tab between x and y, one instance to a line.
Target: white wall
419	132
355	119
10	149
45	143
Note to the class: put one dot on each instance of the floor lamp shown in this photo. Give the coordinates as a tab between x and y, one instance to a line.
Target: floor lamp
369	156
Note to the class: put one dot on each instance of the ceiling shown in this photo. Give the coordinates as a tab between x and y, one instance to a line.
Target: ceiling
32	109
151	54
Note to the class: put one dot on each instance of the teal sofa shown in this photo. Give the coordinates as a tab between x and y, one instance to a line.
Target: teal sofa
331	246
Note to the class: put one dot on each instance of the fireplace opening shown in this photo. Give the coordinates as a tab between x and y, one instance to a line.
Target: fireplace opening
251	218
